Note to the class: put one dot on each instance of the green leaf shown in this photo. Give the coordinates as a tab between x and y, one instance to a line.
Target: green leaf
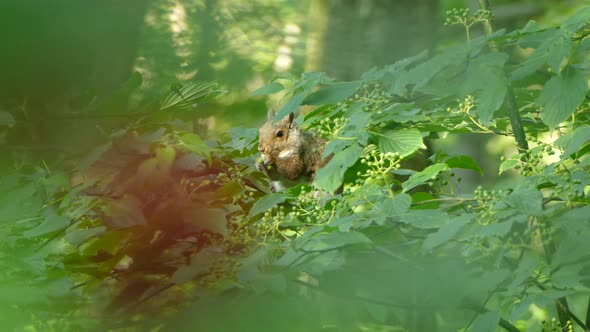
91	157
124	212
6	119
572	142
269	89
446	232
199	266
331	93
422	177
577	20
465	162
194	143
335	240
241	138
423	73
508	164
51	222
527	200
552	49
559	52
569	276
492	97
425	218
19	201
291	106
487	322
357	121
266	203
404	142
395	206
186	97
330	177
561	95
80	236
494	229
485	76
211	220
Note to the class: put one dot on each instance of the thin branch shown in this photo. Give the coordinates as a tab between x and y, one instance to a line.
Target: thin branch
507	326
563	310
510	101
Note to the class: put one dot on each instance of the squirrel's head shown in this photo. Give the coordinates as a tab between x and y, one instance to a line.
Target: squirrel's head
278	140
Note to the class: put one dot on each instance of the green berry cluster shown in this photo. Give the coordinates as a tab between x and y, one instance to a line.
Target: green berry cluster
445	183
485	203
464	105
554	326
531	161
330	128
463	16
234	173
379	169
310	209
567	186
373	95
269	223
380	164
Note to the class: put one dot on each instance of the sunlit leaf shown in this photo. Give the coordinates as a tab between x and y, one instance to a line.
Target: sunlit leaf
573	141
331	93
50	223
194	143
330	176
422	177
561	95
508	164
266	203
269	89
186	97
404	142
465	162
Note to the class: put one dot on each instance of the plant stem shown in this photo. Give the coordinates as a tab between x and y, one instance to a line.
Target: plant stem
507	326
510	101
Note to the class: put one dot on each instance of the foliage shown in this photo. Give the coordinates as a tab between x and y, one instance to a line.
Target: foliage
167	230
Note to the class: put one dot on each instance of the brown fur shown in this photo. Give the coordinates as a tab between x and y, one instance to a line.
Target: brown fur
295	156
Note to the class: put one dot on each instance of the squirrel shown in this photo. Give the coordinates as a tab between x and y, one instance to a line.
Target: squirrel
289	155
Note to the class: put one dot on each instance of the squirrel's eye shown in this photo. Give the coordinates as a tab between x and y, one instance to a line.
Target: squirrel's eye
280	133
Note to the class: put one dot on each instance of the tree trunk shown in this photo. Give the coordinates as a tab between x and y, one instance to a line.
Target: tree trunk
347	37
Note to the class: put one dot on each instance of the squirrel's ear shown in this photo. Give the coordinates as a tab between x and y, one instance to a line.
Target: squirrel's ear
291	117
270	115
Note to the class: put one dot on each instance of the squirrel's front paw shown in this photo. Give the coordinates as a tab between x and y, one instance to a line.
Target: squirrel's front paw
260	165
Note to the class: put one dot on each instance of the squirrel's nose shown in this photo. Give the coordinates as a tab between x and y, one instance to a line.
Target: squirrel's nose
260	148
